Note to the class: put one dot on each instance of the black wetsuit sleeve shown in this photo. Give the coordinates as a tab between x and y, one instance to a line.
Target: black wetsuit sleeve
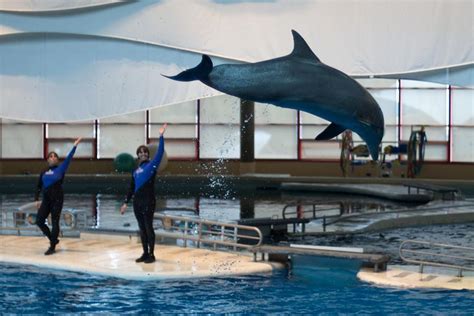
131	191
39	186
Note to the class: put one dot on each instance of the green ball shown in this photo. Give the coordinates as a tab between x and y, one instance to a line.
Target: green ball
124	162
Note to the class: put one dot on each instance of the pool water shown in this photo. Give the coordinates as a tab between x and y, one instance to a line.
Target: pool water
26	289
311	288
103	210
388	241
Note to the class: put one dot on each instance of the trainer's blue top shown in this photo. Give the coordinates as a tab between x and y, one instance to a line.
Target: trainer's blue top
143	176
54	175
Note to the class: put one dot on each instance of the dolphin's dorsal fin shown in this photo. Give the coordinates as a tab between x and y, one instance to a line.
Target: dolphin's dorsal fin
301	49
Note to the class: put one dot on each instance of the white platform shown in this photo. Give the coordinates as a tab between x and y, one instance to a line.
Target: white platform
409	277
115	256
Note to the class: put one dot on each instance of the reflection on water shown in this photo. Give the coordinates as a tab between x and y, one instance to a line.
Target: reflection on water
101	211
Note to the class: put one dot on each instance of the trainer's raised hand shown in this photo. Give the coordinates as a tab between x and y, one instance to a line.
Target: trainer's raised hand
163	129
77	141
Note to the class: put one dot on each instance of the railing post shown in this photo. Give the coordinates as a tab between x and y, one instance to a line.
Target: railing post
222	236
185	234
235	237
290	265
199	235
421	268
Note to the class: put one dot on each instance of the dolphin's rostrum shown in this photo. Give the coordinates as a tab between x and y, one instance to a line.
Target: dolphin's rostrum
299	81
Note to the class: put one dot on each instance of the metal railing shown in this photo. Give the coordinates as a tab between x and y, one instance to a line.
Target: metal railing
467	255
23	218
317	208
177	210
202	231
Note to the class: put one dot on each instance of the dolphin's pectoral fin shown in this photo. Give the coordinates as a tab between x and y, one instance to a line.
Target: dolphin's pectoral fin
199	72
331	131
301	49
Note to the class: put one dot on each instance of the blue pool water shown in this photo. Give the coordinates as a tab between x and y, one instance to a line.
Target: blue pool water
308	290
26	289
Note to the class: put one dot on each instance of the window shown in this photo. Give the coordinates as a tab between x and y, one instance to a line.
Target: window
462	108
121	134
219	128
60	138
425	104
181	134
275	132
21	139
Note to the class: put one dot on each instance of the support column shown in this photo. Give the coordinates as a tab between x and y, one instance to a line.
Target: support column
1	148
247	207
247	133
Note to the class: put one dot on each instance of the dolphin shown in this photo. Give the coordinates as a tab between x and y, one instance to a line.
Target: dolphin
302	82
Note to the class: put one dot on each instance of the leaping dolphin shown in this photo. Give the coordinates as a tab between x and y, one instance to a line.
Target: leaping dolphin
299	81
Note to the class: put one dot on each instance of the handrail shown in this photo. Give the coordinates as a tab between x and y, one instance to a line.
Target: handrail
71	218
177	209
209	232
438	255
313	210
28	206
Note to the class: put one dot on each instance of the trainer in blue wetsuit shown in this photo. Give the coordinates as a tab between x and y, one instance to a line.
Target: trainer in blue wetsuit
142	189
50	183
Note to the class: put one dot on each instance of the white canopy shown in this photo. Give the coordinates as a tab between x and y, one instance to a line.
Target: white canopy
78	59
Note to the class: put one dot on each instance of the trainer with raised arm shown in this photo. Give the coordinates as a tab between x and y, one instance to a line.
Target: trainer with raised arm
51	184
142	189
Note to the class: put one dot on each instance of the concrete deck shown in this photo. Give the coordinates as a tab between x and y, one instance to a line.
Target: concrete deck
115	256
409	277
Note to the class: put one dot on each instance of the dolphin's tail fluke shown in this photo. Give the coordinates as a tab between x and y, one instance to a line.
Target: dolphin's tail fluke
199	72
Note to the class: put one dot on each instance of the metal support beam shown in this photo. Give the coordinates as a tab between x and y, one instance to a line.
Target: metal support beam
247	131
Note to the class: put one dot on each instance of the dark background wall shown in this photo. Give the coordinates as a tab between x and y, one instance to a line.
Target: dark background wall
235	167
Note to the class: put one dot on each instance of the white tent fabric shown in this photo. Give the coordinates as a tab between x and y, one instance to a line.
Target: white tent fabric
78	60
72	79
51	5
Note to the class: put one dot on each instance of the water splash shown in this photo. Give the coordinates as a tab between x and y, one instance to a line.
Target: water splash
217	174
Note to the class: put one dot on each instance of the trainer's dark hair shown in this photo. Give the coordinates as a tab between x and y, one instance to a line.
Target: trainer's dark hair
144	148
52	153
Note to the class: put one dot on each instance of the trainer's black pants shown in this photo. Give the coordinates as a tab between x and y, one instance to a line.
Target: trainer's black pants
51	204
144	210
